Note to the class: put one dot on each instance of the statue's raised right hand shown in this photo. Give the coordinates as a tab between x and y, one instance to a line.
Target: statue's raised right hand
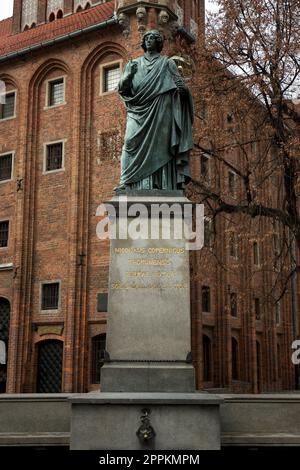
133	68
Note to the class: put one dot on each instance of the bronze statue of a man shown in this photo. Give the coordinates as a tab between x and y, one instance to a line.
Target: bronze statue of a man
159	107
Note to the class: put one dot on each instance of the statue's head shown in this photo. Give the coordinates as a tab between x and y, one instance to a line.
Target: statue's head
158	39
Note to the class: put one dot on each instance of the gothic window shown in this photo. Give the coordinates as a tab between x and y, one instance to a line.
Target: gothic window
54	6
98	356
49	367
80	5
29	12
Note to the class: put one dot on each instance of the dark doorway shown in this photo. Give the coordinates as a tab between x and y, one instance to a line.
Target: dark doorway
49	372
4	337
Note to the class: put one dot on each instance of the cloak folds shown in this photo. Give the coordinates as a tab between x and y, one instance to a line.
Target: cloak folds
159	122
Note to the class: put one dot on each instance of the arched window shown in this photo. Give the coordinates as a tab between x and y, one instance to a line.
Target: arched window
4	338
59	14
33	25
51	17
26	27
79	8
88	5
98	356
49	366
235	359
207	359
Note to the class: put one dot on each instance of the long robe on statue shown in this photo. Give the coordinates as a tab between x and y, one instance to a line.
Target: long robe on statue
158	135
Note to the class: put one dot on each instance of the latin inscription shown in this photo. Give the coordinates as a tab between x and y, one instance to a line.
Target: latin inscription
152	268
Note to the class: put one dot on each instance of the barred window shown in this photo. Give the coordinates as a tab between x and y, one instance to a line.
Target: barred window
98	356
50	296
56	92
7	109
4	229
54	156
111	78
6	167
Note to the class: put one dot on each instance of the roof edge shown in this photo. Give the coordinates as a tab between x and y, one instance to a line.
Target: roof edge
50	42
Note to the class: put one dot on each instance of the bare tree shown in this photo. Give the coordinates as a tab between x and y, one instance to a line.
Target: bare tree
248	83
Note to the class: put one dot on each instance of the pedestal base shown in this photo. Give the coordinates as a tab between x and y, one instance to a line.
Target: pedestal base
110	421
163	377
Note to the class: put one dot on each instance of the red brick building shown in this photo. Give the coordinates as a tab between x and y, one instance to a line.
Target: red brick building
61	128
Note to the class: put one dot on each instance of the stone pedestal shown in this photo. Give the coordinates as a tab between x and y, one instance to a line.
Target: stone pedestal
149	327
148	398
111	421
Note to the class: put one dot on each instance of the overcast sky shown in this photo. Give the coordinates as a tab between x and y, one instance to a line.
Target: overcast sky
6	8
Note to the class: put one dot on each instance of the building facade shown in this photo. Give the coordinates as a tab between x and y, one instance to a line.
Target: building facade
61	130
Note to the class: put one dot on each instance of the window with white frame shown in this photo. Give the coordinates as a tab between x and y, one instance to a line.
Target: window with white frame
6	167
50	296
4	233
56	92
54	156
110	77
8	107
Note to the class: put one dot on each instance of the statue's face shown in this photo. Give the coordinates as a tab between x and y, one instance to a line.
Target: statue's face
150	42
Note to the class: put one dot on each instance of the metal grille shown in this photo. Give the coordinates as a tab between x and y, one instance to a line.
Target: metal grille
98	355
7	109
5	167
4	319
54	156
4	227
111	78
56	92
50	296
49	375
